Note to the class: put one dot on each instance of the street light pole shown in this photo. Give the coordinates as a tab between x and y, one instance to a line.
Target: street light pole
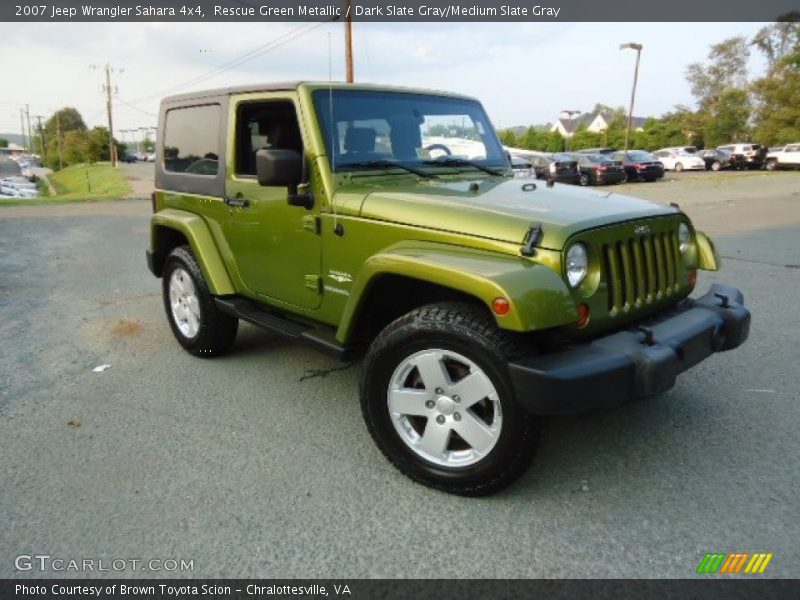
638	48
571	130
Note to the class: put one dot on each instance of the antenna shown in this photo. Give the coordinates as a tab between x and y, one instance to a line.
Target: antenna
333	133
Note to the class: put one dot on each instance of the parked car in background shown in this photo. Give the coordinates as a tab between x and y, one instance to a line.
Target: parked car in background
521	167
679	160
720	159
18	181
598	169
754	154
560	167
786	157
639	165
13	187
687	149
603	150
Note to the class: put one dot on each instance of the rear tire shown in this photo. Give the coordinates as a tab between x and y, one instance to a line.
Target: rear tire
437	399
716	165
584	179
772	165
199	326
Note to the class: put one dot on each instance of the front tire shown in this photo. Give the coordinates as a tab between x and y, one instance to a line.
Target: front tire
438	401
716	165
199	326
584	179
678	167
771	165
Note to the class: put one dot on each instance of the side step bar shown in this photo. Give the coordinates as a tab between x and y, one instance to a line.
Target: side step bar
322	339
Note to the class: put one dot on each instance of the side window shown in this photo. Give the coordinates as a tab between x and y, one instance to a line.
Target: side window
191	140
271	124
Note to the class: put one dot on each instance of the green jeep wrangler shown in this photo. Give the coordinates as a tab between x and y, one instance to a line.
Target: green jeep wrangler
385	222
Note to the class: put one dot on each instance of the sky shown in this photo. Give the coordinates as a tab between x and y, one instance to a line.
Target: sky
524	73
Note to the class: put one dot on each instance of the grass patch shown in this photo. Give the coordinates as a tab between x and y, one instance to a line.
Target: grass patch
100	181
80	183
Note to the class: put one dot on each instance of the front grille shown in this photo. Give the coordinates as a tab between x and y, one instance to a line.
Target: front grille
641	270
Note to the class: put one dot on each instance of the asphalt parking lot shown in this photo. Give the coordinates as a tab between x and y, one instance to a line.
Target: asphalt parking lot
258	464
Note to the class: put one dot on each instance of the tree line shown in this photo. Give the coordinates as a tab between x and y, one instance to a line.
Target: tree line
64	140
730	105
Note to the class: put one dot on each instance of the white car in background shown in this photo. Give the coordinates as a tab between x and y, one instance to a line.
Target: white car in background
788	157
680	160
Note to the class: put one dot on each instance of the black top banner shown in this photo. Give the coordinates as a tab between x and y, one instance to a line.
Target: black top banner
399	10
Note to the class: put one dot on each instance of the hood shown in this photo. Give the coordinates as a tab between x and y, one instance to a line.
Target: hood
501	210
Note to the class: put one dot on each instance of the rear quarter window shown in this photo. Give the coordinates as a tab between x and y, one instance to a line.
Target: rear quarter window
191	140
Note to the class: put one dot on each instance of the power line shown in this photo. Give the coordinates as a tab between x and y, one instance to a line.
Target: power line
141	110
246	57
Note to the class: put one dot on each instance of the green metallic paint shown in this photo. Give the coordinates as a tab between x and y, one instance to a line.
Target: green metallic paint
538	296
260	233
500	209
197	233
442	231
707	257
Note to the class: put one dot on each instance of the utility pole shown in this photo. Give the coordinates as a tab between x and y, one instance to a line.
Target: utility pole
348	42
638	48
58	142
571	115
41	134
22	127
112	150
28	117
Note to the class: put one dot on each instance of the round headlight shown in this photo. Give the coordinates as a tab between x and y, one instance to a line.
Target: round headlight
577	263
684	237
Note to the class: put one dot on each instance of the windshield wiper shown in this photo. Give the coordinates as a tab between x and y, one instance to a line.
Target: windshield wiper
386	164
452	161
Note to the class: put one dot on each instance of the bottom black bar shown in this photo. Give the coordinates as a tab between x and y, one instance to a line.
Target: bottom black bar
704	587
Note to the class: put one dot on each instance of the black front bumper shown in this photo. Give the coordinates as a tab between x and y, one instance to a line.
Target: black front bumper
635	363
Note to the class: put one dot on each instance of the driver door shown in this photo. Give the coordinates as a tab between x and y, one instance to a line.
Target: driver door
275	247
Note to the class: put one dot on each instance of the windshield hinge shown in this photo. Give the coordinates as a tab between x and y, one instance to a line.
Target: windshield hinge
314	282
531	239
311	223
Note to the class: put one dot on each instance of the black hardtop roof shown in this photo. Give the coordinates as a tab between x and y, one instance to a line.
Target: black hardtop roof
293	85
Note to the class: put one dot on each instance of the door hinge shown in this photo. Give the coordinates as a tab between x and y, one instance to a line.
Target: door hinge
314	282
311	223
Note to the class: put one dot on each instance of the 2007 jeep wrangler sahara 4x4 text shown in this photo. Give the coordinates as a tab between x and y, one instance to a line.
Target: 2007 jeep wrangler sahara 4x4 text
386	222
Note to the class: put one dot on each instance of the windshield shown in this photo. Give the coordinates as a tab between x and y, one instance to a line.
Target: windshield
411	129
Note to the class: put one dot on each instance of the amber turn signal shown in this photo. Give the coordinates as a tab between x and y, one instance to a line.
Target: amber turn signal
583	315
501	306
692	277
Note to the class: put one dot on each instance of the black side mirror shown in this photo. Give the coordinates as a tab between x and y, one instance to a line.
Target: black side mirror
277	167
